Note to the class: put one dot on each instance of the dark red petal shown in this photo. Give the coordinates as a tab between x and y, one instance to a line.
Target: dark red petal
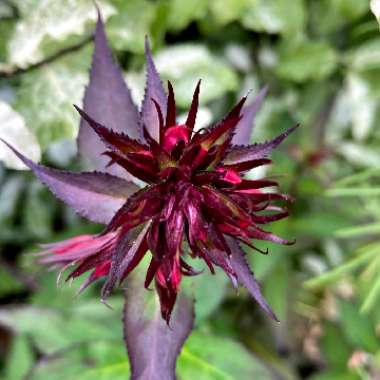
246	277
109	101
113	140
171	111
224	129
245	126
96	196
244	166
160	120
173	135
191	117
128	249
152	346
138	164
153	90
238	154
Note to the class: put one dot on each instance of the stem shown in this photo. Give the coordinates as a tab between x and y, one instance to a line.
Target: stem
153	347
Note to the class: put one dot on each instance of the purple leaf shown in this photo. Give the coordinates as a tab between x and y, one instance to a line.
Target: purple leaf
240	153
107	100
153	90
94	195
153	346
245	126
246	277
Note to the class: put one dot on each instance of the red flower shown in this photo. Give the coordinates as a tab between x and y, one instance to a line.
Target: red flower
196	202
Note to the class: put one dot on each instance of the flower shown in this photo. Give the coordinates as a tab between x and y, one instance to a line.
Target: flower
196	202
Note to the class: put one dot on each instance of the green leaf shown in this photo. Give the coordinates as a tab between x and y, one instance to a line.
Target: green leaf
52	330
8	284
97	360
207	357
20	358
365	255
130	24
38	212
372	296
46	98
209	291
275	16
181	13
336	351
335	375
306	60
357	328
14	131
49	20
185	64
225	11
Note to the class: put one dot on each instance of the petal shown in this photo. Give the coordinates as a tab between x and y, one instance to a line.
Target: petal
153	90
246	277
190	121
257	151
245	126
109	101
96	196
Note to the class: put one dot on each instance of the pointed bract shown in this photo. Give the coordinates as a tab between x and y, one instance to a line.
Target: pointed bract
153	90
238	154
108	100
246	277
94	195
245	126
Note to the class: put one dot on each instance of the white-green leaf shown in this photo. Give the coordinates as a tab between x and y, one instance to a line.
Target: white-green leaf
49	19
375	8
185	64
13	130
46	98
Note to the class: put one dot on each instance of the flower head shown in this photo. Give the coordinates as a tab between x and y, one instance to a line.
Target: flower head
196	201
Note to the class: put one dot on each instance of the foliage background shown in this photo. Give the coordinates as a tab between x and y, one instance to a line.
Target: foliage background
321	59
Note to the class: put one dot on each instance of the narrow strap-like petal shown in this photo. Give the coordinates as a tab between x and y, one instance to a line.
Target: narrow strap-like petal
153	90
108	100
96	196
